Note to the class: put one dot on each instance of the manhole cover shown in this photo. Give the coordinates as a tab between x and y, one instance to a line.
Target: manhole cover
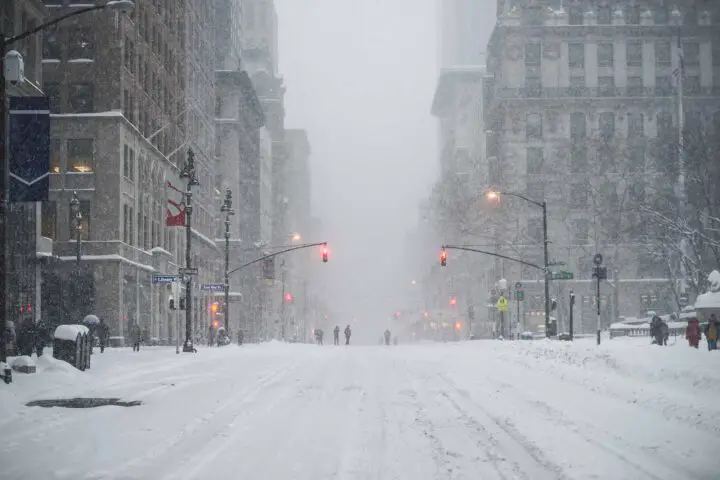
83	403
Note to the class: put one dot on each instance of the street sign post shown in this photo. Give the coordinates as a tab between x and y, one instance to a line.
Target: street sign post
164	279
562	275
212	287
188	271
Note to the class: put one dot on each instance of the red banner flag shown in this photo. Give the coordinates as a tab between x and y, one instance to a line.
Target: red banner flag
175	210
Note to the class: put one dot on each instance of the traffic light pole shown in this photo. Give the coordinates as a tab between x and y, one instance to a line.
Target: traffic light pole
546	268
572	307
228	211
188	172
275	254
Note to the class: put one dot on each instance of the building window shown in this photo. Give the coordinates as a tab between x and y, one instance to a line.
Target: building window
533	55
84	209
578	159
578	128
534	160
663	86
55	162
128	163
664	122
691	85
633	15
80	155
635	86
582	230
82	44
663	54
579	194
533	126
576	55
606	86
48	227
577	85
81	97
636	159
51	44
606	122
660	15
636	125
128	224
575	16
634	54
52	91
606	159
716	53
691	53
533	86
604	15
606	54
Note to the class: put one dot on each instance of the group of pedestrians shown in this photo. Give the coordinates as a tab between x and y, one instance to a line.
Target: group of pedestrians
336	335
712	329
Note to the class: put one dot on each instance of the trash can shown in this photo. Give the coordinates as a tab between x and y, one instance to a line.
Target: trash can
71	345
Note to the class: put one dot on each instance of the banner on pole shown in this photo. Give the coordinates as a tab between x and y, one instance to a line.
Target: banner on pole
29	149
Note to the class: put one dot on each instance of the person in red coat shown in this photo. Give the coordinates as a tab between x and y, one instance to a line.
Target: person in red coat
692	333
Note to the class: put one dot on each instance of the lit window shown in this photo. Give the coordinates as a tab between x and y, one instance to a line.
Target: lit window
55	156
80	155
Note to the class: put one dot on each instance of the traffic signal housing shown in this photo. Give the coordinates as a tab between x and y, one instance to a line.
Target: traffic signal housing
443	257
325	253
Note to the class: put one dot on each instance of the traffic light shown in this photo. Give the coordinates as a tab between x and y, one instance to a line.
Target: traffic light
458	326
325	253
443	257
172	303
288	297
215	324
215	308
453	301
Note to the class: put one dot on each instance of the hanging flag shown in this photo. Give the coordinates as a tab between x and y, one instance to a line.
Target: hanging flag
28	149
175	210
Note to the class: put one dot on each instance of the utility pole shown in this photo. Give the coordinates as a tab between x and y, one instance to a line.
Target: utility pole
600	273
226	208
188	172
282	304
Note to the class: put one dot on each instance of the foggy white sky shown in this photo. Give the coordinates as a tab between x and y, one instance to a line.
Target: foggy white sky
360	76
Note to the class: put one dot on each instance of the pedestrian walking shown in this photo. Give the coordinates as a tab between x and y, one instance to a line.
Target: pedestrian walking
387	337
135	337
692	333
711	332
103	332
348	333
336	335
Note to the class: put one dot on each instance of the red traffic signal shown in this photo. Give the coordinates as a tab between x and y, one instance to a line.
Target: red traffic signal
325	253
443	257
453	301
288	297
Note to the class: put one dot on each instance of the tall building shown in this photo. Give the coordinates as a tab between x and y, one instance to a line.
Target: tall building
464	28
26	248
581	110
238	120
130	95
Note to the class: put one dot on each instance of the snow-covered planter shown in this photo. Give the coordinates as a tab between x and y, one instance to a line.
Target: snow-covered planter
708	303
24	364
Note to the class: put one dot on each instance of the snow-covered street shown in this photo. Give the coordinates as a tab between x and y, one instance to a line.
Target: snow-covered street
471	410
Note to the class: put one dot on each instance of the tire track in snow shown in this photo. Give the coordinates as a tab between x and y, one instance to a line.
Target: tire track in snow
504	436
576	427
197	431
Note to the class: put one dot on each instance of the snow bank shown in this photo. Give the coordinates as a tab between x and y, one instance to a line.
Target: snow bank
47	363
23	361
70	332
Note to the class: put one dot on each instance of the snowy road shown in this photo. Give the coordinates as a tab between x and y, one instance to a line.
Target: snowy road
477	410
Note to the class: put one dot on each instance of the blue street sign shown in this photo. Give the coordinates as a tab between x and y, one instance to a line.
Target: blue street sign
165	278
29	149
212	287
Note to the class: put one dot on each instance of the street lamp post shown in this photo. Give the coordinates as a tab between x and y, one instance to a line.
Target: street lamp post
77	225
115	5
495	195
188	172
226	208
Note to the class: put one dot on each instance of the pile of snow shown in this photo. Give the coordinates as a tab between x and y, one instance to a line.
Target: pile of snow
47	363
70	332
23	361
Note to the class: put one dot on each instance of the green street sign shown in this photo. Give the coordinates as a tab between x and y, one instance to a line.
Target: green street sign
519	295
561	276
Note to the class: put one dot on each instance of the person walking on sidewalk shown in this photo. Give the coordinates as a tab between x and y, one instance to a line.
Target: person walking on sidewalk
336	335
348	333
135	337
103	332
692	333
711	332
